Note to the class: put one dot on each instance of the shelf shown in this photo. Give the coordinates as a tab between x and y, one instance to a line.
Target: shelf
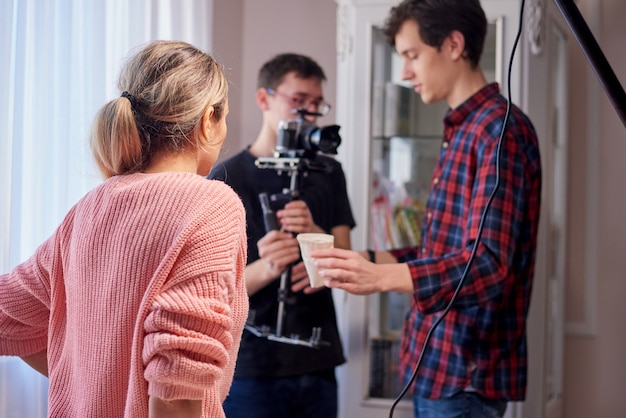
379	403
414	138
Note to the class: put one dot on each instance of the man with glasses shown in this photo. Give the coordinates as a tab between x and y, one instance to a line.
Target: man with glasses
278	379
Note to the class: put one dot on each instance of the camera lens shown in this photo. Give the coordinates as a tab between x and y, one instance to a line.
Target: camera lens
326	139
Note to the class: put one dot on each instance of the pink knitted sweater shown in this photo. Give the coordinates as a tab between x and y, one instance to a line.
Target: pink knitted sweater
140	291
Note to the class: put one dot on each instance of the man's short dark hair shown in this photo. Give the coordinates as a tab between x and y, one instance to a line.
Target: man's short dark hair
436	19
273	72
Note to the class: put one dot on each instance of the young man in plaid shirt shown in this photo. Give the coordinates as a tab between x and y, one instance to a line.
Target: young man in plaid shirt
476	360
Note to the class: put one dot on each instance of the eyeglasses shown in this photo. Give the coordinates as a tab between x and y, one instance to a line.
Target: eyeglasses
303	102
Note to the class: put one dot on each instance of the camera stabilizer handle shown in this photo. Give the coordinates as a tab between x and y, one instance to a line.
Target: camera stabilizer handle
293	167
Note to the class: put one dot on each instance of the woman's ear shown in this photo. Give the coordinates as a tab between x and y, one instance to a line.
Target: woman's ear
207	122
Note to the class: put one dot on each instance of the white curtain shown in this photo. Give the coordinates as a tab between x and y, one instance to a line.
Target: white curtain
59	61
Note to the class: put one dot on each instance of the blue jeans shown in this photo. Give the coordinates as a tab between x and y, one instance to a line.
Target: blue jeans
285	397
463	405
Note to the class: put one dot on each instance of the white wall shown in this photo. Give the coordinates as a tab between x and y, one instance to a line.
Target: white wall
249	32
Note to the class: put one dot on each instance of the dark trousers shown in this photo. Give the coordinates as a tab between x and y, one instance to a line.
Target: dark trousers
307	396
463	405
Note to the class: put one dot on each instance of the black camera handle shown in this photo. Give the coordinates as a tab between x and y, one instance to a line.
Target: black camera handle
302	112
285	277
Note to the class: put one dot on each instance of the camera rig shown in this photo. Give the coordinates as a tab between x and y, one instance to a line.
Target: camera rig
298	143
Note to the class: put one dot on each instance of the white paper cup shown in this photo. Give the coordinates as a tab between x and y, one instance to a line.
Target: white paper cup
308	243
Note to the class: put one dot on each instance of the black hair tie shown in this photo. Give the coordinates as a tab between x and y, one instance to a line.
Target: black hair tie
133	102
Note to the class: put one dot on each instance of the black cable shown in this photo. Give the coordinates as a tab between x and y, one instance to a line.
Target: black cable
480	227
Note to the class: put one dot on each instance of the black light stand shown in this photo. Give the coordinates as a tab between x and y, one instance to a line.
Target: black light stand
595	56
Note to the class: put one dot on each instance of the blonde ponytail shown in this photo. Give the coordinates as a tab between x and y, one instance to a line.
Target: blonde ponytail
166	88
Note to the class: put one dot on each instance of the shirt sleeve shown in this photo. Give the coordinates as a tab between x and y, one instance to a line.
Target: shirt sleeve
437	278
343	213
25	304
188	337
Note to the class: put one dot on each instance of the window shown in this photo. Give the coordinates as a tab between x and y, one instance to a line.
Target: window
59	62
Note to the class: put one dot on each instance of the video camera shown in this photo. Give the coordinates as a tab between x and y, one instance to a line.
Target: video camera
298	143
302	138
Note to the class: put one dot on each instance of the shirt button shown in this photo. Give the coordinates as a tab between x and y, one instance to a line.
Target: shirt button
436	180
445	144
429	215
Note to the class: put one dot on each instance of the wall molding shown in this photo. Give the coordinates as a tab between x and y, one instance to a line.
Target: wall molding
535	25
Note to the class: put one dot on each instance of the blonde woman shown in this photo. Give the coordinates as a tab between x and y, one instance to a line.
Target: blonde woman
135	306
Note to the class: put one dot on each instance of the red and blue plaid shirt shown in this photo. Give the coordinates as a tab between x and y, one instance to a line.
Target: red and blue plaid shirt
481	343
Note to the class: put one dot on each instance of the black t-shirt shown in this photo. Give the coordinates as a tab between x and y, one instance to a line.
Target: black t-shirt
322	186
